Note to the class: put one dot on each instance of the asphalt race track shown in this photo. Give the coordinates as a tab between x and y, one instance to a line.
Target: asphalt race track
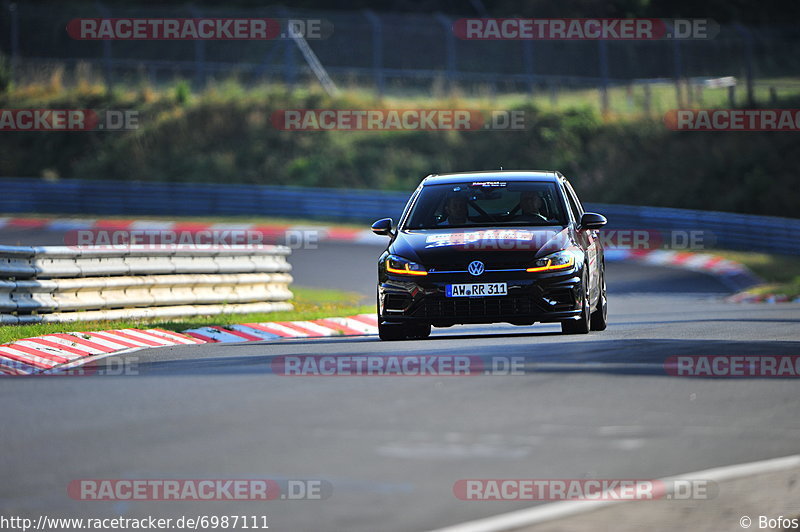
597	406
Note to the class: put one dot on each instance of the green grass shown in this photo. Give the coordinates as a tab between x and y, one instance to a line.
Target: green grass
628	102
624	101
791	290
781	273
309	303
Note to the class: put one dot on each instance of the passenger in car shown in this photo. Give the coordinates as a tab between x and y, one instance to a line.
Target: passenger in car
456	210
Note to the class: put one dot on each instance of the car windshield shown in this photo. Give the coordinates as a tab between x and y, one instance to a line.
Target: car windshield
487	203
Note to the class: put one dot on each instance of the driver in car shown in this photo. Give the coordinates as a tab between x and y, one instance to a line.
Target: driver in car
531	204
456	210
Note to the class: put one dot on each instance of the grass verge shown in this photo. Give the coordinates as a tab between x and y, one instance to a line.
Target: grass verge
309	303
781	273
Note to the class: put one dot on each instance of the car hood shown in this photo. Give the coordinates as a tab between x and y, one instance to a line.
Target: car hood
496	248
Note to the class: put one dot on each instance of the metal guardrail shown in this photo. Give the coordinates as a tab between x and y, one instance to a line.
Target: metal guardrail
62	284
71	196
722	230
80	197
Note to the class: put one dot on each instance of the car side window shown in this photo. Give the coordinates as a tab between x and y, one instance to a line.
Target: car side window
407	208
575	199
576	213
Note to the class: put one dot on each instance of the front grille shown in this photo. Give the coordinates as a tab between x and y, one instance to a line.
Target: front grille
474	307
462	266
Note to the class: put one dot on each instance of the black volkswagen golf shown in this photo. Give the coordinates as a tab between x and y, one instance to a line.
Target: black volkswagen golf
491	247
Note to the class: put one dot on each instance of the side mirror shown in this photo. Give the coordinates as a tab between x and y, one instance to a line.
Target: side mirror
383	227
592	220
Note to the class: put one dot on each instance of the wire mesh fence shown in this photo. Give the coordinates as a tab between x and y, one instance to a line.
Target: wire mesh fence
393	53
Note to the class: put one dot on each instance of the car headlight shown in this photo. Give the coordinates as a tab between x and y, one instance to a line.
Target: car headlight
563	260
401	266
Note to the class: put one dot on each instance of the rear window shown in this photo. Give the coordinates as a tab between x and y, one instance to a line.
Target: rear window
487	203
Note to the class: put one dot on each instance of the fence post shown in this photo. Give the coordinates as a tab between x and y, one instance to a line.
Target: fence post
377	49
748	54
199	54
13	9
289	67
289	70
527	59
677	60
450	47
603	56
629	96
106	13
312	60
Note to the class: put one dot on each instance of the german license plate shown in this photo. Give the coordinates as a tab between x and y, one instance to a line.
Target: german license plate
476	290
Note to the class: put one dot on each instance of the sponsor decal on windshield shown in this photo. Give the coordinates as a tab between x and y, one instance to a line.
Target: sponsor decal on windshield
469	237
488	184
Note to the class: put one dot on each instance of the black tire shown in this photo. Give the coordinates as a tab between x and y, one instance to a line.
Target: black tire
391	332
403	332
419	332
398	331
600	315
580	326
388	332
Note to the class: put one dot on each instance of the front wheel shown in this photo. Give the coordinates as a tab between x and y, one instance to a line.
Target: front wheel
386	331
600	315
581	325
398	331
419	331
391	332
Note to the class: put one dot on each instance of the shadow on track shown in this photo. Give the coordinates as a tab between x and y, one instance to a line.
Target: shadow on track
618	357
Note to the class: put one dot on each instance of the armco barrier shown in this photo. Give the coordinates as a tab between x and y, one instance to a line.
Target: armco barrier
193	199
104	197
57	284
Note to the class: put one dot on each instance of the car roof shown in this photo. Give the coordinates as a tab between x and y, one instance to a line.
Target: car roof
493	175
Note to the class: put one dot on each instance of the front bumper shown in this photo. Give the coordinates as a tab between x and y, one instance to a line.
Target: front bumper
550	297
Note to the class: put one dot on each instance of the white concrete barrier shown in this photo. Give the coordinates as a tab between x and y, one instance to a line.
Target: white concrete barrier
52	262
56	284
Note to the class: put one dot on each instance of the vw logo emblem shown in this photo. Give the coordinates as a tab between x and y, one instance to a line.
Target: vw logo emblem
475	267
